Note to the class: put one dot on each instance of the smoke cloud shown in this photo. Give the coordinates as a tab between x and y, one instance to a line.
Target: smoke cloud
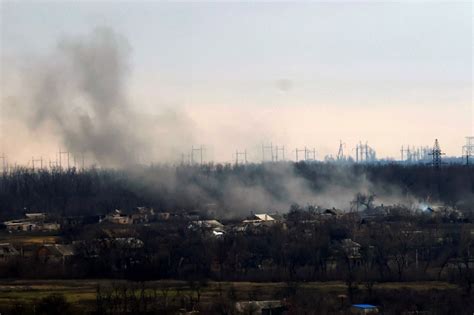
79	94
268	187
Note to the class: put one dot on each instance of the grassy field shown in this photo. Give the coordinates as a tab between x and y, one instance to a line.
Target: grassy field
29	238
83	292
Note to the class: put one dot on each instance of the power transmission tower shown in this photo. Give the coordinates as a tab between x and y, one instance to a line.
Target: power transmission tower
407	155
280	149
357	153
468	149
310	155
200	150
4	163
185	159
436	153
40	160
61	153
360	152
83	161
340	153
265	148
365	153
238	155
300	150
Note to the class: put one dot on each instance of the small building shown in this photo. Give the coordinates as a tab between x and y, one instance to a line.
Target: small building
259	219
50	226
117	217
361	309
22	225
31	222
264	217
271	307
210	224
142	215
54	253
332	213
351	249
214	227
7	252
38	216
25	225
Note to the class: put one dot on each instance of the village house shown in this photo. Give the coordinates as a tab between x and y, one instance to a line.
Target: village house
31	222
37	216
332	213
23	225
271	307
350	249
117	217
54	253
260	219
8	252
142	215
212	226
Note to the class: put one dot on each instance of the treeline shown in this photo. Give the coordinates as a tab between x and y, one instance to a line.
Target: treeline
168	188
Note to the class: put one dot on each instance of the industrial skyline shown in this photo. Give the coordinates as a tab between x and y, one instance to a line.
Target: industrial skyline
360	153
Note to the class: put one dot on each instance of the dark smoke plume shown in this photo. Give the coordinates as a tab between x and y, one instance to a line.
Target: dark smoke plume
81	90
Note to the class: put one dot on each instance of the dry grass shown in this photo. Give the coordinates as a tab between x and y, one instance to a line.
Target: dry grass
83	291
29	239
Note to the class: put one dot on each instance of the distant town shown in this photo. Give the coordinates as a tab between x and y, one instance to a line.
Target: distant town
362	249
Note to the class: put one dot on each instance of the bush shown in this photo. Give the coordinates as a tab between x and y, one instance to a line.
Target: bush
54	304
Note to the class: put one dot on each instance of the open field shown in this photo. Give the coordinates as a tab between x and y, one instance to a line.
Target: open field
29	238
82	293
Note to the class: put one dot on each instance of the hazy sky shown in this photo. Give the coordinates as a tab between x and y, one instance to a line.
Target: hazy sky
294	73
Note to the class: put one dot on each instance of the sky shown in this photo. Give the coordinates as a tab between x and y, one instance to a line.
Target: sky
245	73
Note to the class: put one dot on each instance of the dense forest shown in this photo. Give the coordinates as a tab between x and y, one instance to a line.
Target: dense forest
230	190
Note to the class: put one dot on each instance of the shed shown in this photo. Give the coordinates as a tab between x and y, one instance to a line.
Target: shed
55	253
7	251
